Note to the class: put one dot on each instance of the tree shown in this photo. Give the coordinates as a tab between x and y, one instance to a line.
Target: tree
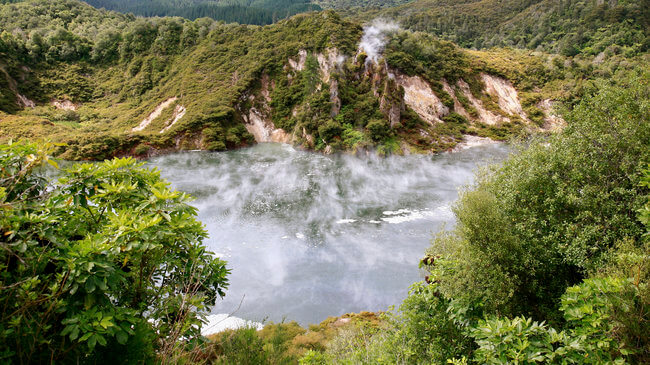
552	214
109	257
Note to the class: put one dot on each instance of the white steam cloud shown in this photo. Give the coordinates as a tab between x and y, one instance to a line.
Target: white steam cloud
374	39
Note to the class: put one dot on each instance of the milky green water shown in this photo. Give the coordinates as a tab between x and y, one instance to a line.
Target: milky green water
309	236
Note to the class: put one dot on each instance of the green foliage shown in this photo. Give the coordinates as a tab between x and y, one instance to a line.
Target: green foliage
259	12
378	129
568	27
551	213
592	335
423	55
423	332
276	343
519	341
330	130
107	257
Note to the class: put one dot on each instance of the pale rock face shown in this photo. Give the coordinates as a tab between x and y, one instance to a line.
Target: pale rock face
394	115
257	126
458	107
22	99
334	98
300	64
552	121
505	93
25	101
258	122
485	116
472	141
308	137
64	104
179	112
419	96
154	114
329	62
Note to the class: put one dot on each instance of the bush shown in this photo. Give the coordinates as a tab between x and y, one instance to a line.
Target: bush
423	332
592	310
378	129
108	256
330	130
551	214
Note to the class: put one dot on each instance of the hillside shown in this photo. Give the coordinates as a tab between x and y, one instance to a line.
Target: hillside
240	11
109	84
568	27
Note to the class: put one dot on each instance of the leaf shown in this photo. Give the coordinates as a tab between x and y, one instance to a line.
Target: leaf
106	322
75	333
92	341
90	285
101	340
85	337
122	337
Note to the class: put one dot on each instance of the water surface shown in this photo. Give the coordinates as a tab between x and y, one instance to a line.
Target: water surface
309	236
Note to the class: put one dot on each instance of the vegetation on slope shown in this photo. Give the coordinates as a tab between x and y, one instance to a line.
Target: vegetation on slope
258	12
116	69
567	27
132	65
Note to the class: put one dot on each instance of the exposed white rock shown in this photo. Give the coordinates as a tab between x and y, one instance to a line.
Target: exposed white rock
258	121
334	98
64	104
263	129
25	101
419	96
552	121
505	93
470	141
458	107
179	112
329	62
485	116
299	65
22	99
154	114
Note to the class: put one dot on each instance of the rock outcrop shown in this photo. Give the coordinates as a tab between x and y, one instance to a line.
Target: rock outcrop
154	114
257	119
421	99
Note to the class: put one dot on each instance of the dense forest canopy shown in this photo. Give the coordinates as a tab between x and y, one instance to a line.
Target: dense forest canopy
568	27
240	11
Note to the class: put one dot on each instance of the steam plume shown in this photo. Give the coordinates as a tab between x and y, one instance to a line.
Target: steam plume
374	40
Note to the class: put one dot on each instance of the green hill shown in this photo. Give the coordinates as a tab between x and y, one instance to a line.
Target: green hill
240	11
568	27
111	84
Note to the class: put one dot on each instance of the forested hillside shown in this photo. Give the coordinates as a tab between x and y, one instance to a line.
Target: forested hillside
568	27
239	11
111	84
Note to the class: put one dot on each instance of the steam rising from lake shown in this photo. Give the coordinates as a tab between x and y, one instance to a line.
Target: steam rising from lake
309	236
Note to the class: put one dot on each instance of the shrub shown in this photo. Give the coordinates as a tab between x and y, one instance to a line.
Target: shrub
551	213
109	256
378	129
330	130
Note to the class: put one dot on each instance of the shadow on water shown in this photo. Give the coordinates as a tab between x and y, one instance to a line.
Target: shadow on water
309	236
